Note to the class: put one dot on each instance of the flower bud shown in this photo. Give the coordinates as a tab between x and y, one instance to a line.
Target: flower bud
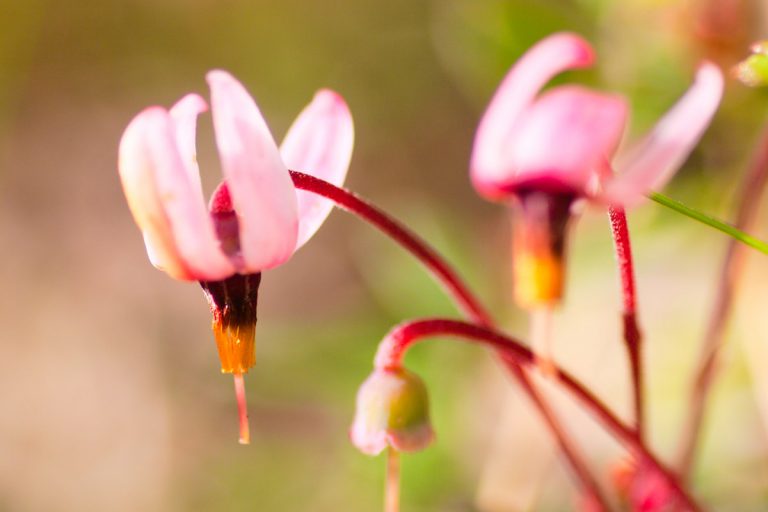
392	410
760	47
753	71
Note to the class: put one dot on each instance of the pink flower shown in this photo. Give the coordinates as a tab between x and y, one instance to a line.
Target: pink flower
563	140
257	219
642	488
269	218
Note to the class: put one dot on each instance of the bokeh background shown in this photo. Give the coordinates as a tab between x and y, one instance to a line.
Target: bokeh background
110	393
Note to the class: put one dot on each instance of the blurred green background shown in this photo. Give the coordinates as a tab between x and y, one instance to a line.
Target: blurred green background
110	393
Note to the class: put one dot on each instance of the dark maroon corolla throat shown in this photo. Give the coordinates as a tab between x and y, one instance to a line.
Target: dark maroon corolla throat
228	232
542	183
539	228
225	221
233	302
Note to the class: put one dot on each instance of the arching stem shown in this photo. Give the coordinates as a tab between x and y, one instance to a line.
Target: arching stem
408	240
242	409
394	346
464	299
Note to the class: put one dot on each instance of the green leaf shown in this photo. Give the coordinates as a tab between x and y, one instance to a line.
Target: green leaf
710	221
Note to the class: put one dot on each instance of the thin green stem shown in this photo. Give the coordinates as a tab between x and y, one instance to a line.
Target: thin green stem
719	225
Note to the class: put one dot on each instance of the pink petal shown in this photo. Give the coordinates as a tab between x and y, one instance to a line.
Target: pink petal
319	143
490	159
166	203
656	159
184	115
261	188
567	134
368	440
137	177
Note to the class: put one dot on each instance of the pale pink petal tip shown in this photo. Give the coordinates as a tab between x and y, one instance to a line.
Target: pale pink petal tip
261	188
192	104
319	143
221	76
655	160
367	441
490	166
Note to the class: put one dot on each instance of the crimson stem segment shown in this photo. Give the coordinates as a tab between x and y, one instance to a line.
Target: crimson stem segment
394	346
466	301
412	243
632	334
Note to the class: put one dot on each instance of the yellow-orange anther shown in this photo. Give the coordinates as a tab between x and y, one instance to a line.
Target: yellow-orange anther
237	346
538	279
540	221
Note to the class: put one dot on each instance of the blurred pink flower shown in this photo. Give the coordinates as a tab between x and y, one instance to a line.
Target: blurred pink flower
257	218
563	140
642	489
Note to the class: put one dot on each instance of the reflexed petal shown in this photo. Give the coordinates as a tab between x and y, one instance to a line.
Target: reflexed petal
137	177
567	134
490	157
319	143
261	188
656	159
166	203
184	115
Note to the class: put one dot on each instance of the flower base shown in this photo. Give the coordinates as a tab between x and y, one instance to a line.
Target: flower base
233	303
539	225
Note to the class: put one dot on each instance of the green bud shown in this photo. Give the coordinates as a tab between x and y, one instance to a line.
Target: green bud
392	410
753	71
760	47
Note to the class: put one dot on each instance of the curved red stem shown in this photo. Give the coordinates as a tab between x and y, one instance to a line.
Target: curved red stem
466	301
403	236
392	350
